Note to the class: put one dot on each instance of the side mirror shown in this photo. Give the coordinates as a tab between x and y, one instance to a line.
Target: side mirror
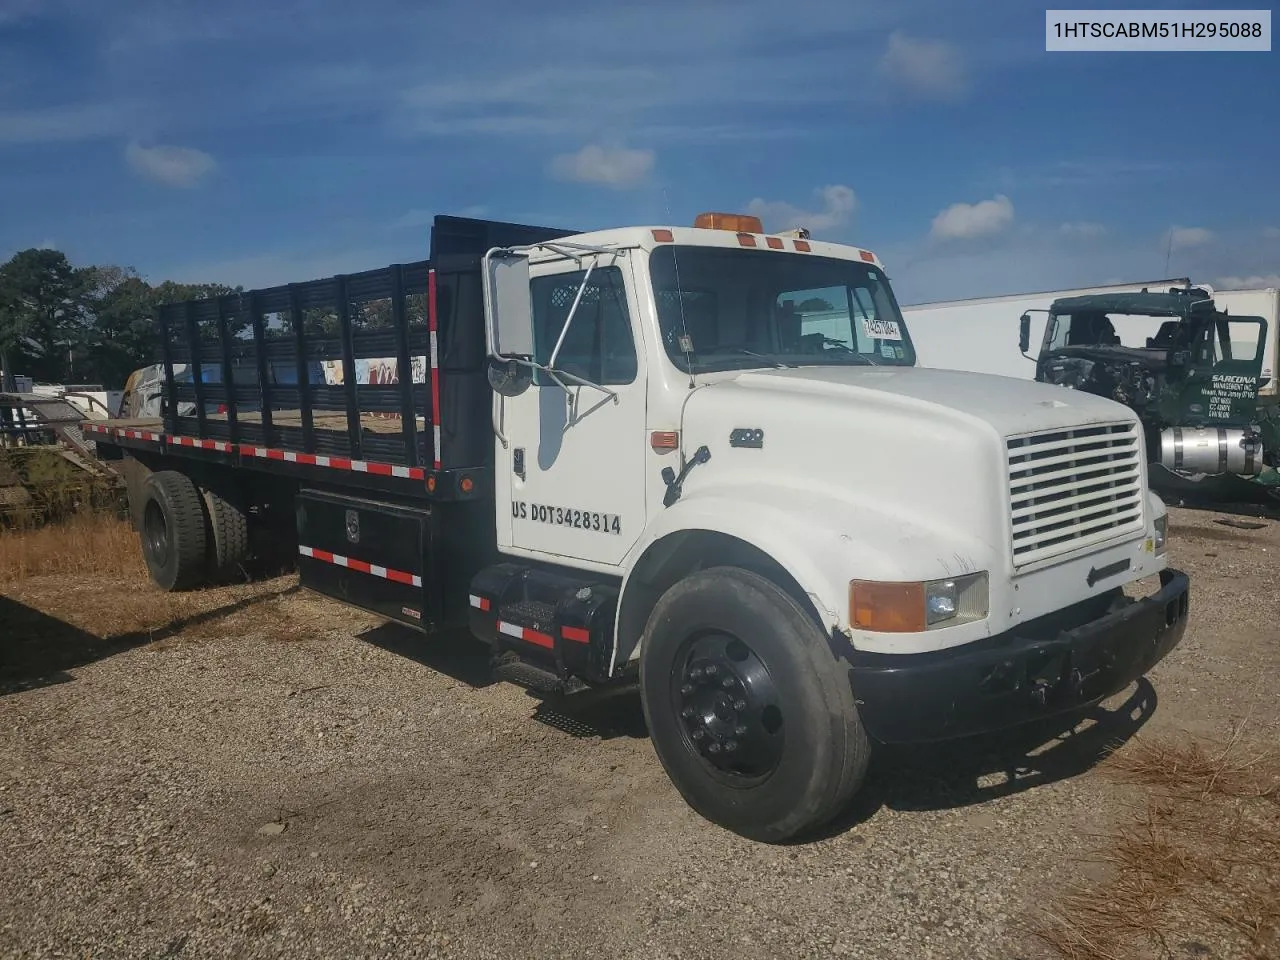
1024	332
507	377
508	313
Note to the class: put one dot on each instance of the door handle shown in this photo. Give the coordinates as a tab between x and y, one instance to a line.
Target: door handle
517	462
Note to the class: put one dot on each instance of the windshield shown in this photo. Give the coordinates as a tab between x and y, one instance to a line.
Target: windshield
725	309
1212	338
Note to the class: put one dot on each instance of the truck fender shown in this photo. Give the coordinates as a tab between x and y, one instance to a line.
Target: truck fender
809	542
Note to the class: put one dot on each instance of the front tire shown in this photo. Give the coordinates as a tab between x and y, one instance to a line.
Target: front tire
750	713
173	531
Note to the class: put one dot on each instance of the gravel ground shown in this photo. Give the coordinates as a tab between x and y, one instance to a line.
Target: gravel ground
285	777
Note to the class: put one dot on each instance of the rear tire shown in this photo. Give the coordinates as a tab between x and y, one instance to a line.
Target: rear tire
229	543
173	531
750	713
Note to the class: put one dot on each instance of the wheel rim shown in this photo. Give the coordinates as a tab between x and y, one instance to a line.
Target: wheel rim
156	531
729	708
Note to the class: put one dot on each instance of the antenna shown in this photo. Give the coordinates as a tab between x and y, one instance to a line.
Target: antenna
685	341
1168	254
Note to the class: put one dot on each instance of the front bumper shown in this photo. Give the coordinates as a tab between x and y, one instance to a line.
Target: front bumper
1061	663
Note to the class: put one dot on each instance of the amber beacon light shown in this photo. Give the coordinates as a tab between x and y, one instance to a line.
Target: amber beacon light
737	222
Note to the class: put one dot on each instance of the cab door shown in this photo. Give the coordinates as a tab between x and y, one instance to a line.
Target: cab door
570	478
1224	389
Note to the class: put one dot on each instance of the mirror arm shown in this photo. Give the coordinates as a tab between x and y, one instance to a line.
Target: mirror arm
498	413
557	374
564	331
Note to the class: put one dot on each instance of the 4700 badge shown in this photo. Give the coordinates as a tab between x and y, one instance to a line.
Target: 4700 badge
566	517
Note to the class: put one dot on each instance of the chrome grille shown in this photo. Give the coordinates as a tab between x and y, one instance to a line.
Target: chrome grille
1074	488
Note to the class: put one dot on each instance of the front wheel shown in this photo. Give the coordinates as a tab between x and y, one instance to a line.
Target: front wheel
750	713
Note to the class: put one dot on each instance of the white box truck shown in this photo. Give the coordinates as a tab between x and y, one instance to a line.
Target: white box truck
1265	303
981	335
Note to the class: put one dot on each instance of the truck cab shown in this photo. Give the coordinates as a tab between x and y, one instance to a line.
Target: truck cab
674	403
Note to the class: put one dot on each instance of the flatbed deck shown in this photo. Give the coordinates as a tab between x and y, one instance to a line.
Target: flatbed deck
333	420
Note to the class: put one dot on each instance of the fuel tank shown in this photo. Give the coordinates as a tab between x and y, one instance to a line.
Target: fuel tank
1210	450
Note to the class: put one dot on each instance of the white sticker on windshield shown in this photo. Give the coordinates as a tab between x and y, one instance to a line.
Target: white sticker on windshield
881	329
886	350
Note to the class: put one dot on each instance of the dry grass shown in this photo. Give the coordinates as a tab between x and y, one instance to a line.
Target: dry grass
75	592
95	544
1195	873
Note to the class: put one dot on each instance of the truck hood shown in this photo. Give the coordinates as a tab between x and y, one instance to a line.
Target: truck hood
918	452
1006	405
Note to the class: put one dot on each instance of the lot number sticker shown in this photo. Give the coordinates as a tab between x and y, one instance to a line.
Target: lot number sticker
881	329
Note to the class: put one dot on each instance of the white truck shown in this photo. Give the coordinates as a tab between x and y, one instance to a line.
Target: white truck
699	458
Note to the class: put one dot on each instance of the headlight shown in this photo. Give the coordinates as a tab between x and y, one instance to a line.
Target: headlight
1162	533
916	606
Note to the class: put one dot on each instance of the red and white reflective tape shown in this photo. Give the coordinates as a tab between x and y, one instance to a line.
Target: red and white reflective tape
219	445
268	453
432	326
360	566
335	463
576	634
527	634
129	434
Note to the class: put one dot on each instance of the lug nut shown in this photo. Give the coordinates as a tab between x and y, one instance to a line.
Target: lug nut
727	682
740	730
711	670
730	746
687	712
698	734
695	673
714	748
739	705
687	689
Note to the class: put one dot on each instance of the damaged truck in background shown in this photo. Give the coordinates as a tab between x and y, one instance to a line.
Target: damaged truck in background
1191	371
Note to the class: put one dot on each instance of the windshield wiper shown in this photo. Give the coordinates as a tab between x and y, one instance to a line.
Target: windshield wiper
778	364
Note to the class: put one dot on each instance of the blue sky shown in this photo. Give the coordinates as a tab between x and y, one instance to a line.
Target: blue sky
277	140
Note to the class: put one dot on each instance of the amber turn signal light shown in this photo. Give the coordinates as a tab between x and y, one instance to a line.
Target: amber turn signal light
887	607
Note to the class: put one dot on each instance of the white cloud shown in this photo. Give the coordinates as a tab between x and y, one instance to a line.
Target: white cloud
926	68
418	218
1179	238
11	11
836	204
1271	233
617	167
1082	228
169	165
270	268
968	221
62	124
1247	283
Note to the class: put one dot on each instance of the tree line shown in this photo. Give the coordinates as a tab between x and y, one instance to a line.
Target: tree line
65	324
61	323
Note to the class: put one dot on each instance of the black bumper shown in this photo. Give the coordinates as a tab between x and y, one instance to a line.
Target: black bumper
1033	672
